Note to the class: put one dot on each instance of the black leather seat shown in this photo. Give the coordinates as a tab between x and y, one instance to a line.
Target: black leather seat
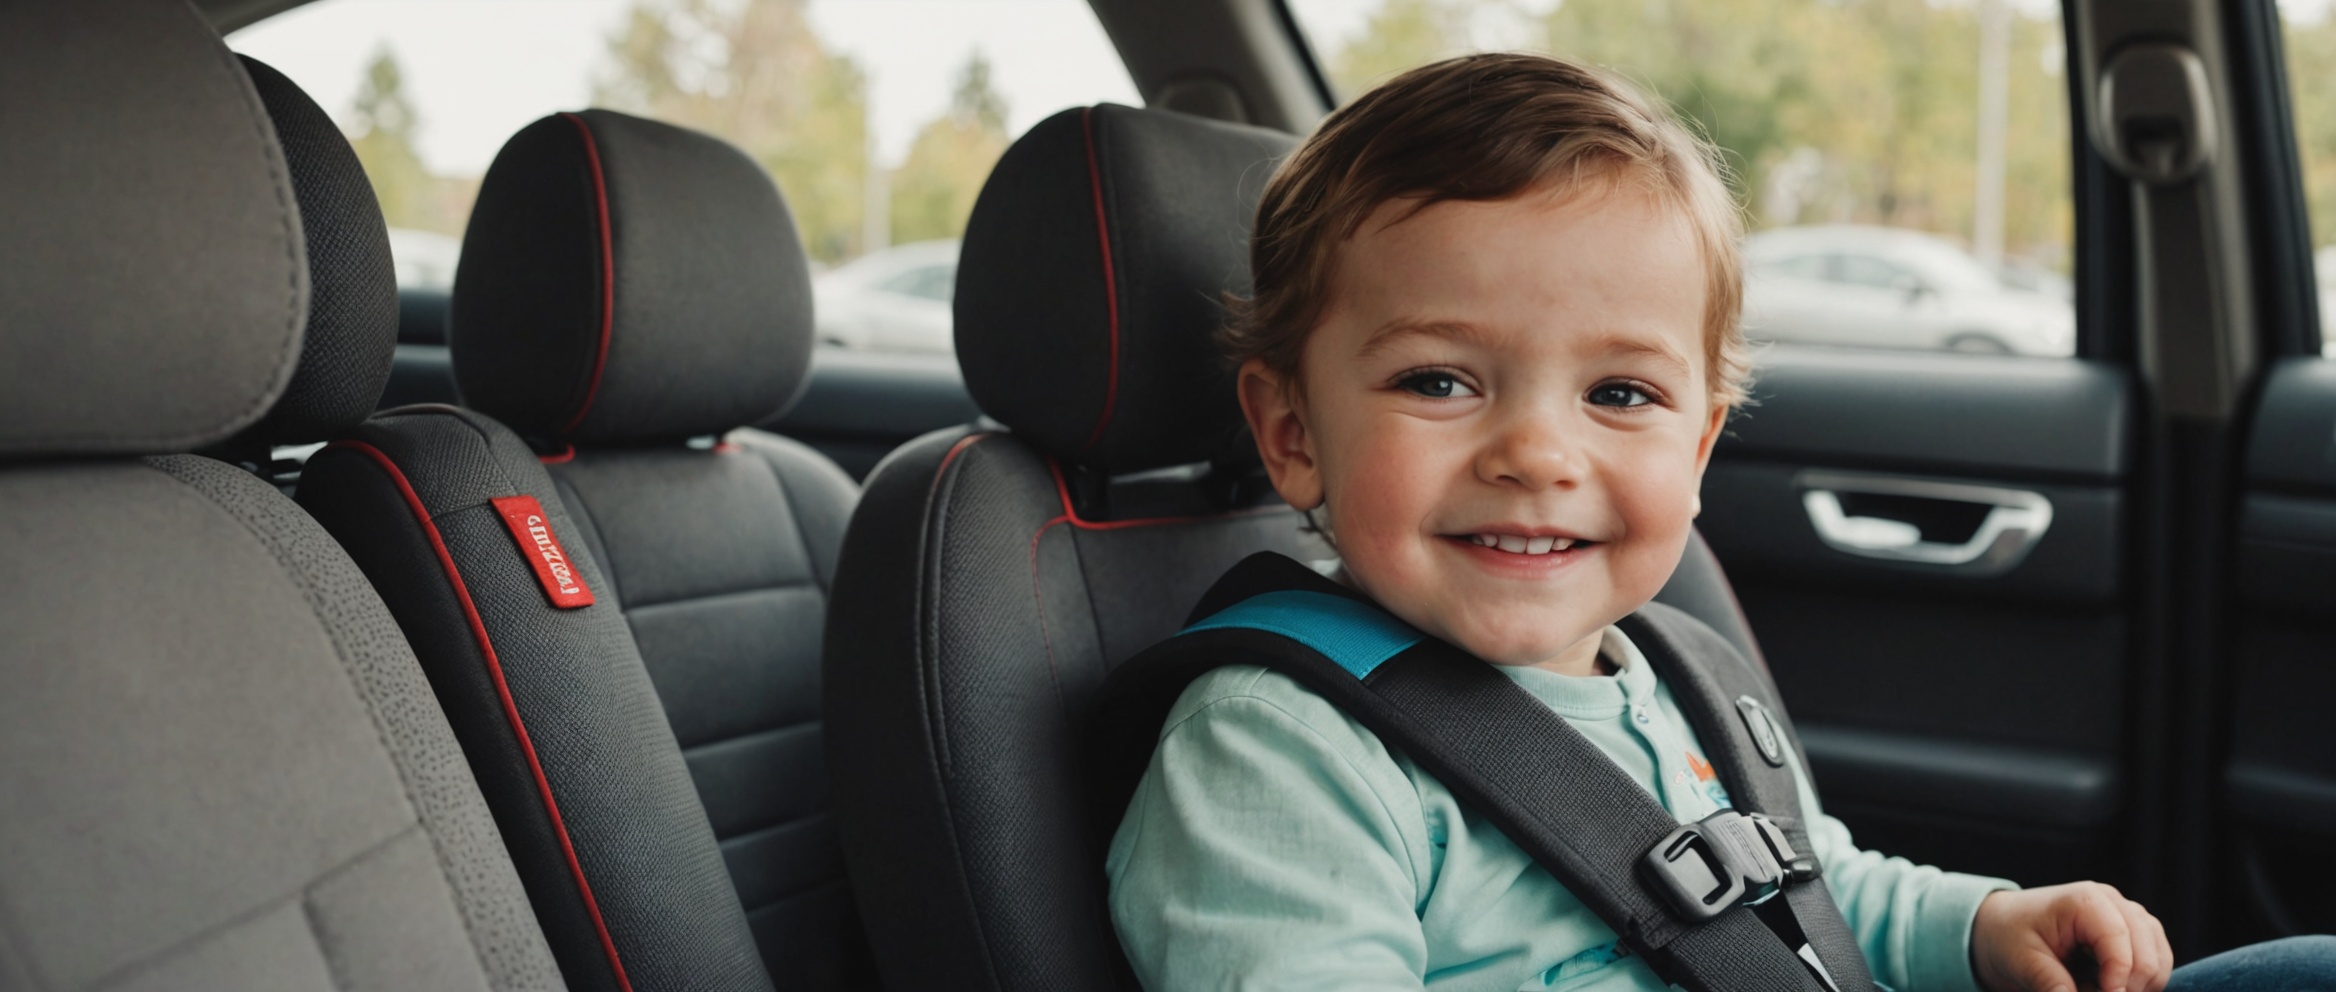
991	578
624	625
224	768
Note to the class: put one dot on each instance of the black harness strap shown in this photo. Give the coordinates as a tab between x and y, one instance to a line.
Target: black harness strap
1550	790
1711	696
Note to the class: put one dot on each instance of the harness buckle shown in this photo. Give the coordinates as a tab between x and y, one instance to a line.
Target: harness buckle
1724	860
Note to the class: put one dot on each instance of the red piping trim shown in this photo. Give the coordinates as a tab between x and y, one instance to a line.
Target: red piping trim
607	271
478	629
1110	280
954	449
560	457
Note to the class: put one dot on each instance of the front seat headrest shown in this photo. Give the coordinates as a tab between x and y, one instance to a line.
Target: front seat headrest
1090	286
153	282
625	280
347	349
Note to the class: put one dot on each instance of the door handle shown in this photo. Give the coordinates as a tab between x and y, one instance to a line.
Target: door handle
2015	520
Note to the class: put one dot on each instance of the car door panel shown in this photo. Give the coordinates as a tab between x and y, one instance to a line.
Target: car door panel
2280	779
1970	716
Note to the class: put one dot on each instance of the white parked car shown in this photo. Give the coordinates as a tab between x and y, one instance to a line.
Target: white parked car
1884	287
892	299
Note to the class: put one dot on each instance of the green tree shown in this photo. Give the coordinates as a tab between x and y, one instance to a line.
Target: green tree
2311	81
1827	110
383	126
755	74
1874	101
1400	35
934	188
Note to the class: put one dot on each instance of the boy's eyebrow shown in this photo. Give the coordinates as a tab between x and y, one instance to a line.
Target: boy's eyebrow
1657	351
1400	328
1467	333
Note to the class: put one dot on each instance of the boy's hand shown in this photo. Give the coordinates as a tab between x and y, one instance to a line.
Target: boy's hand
2020	940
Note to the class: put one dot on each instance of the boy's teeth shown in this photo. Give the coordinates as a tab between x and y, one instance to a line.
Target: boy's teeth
1517	545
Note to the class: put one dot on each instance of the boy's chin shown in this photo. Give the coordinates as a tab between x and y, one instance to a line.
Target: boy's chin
1530	648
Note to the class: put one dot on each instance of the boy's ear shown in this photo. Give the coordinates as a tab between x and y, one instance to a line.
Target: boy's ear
1703	446
1711	436
1270	406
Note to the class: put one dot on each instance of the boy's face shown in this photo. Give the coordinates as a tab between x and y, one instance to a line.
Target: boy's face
1505	415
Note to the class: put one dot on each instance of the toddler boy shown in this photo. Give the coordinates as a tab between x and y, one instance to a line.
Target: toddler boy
1493	338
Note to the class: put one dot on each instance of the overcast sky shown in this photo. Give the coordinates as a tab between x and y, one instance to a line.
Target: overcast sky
479	70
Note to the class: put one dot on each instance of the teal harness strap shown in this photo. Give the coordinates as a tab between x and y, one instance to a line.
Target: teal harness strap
1357	636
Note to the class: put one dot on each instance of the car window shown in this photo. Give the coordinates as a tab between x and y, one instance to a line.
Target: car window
1937	128
1797	266
879	119
2310	29
1866	270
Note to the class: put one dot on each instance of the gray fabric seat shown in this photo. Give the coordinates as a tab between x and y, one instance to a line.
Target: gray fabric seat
644	719
224	769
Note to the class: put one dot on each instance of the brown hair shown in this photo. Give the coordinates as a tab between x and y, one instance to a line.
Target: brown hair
1481	127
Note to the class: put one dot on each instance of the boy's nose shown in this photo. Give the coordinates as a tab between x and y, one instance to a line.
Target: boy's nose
1530	452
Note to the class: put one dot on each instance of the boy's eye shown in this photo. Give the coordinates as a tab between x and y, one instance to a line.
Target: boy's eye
1619	394
1435	385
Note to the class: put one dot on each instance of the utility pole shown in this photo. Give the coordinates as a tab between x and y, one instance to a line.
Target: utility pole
875	199
1995	50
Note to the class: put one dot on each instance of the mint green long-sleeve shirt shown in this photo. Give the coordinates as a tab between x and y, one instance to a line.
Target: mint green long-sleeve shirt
1275	843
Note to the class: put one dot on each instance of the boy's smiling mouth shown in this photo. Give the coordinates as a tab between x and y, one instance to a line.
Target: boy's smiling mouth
1523	545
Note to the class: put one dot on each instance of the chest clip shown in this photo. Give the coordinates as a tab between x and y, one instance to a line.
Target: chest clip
1723	860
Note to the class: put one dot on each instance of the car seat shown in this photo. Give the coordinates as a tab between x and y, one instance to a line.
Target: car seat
993	576
632	664
225	769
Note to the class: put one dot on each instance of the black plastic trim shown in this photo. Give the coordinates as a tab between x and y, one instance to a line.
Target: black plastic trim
2002	416
2022	785
866	395
2294	445
2287	313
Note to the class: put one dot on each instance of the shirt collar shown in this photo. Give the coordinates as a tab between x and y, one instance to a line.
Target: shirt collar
1591	697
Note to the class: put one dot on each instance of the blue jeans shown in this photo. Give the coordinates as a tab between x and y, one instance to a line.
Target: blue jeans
2296	964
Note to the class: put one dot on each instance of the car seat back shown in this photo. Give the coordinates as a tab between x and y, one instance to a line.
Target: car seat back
623	625
225	769
993	576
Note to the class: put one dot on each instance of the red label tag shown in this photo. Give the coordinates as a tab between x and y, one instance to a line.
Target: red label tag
525	517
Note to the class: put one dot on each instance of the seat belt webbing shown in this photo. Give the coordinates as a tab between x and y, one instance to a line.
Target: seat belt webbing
1501	751
1562	800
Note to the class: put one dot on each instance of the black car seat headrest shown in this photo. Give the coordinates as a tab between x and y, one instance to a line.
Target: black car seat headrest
153	283
1090	285
624	280
352	281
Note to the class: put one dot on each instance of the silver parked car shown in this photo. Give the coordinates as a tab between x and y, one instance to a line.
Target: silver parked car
1884	287
892	299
